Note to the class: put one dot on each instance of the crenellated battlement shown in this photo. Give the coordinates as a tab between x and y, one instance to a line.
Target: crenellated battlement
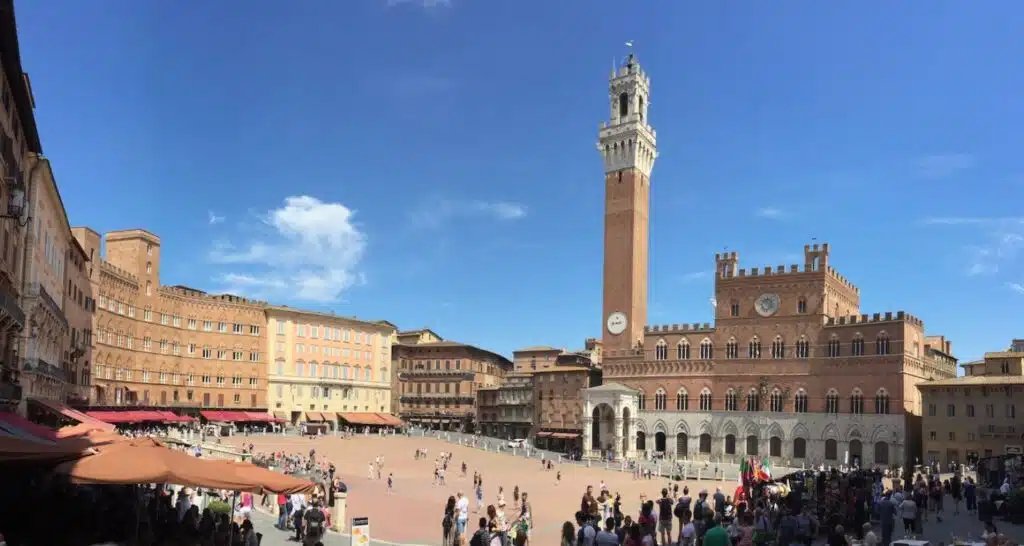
123	273
876	318
843	280
694	328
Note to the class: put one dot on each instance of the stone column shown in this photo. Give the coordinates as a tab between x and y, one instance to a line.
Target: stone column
617	434
340	512
588	433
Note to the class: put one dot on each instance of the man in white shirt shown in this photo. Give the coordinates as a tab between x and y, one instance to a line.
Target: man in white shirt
461	513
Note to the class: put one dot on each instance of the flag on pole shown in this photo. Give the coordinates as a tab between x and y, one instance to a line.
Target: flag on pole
744	470
764	470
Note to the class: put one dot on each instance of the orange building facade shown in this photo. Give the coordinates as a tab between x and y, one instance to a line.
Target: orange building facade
169	347
791	368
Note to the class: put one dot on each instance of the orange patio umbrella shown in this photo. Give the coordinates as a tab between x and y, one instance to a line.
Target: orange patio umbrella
148	461
16	449
274	482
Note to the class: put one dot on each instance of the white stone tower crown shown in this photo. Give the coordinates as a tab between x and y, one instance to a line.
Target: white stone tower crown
627	141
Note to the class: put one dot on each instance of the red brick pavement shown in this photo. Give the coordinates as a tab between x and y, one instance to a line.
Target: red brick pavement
413	513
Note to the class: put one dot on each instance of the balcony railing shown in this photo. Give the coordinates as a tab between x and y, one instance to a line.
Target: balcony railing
9	305
41	367
49	302
10	392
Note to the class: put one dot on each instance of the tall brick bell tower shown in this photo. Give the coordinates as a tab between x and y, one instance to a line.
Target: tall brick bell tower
628	145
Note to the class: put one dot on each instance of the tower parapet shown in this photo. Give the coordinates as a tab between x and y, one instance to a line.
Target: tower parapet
815	262
627	140
694	328
875	318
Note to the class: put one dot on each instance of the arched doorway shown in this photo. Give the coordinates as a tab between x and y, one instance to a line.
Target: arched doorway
856	452
682	444
831	450
659	442
641	441
730	444
752	445
705	443
775	446
799	448
602	433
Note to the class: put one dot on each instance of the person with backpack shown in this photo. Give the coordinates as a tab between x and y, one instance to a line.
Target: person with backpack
482	537
587	533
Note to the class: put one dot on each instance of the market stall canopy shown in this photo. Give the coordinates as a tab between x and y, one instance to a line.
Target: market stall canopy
57	408
145	460
20	450
19	427
269	480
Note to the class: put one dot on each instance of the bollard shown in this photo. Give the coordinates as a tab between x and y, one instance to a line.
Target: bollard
698	474
588	463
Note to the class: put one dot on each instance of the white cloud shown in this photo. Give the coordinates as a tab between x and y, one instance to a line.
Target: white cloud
311	252
770	213
437	212
213	218
1016	287
1003	240
973	221
943	165
695	276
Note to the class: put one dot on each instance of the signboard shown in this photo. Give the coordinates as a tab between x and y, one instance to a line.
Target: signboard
360	532
1013	450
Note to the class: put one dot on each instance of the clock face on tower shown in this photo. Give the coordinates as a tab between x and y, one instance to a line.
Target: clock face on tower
767	304
616	323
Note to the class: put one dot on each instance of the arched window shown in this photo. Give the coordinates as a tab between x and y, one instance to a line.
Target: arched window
732	349
882	344
776	401
831	450
834	346
623	105
661	350
682	400
683	350
882	402
856	402
754	349
753	401
778	348
799	448
832	401
800	402
731	400
801	305
705	400
640	107
857	345
803	348
707	349
641	401
660	400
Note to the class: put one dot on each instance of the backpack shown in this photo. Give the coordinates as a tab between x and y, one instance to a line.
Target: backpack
680	510
480	538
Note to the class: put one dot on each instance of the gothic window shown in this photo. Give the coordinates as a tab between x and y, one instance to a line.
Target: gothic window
882	402
800	402
732	349
754	350
734	309
705	399
660	400
661	350
730	400
707	349
803	348
640	107
641	402
832	402
776	401
834	347
882	344
753	402
682	400
801	305
623	105
683	350
856	402
778	348
857	345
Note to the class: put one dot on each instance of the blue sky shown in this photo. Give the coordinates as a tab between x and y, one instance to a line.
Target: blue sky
434	163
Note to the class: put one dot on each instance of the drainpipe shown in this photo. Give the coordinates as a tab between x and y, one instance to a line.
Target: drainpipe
29	202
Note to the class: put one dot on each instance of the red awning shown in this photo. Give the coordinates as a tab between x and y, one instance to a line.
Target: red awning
543	435
257	417
211	415
61	409
24	426
361	418
389	420
115	417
